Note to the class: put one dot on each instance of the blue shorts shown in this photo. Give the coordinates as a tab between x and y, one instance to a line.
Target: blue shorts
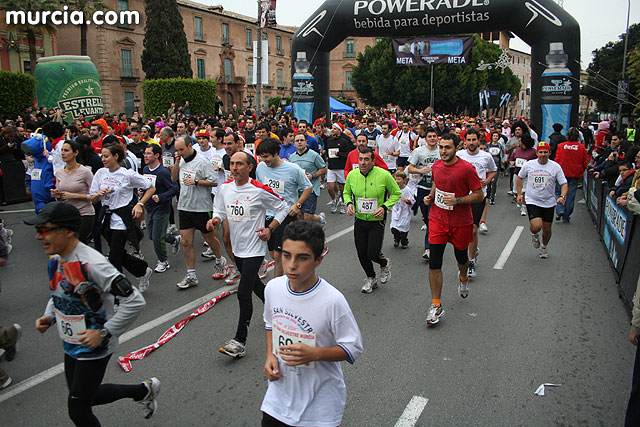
309	205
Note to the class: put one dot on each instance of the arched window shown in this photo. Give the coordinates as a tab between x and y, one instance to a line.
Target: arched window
227	70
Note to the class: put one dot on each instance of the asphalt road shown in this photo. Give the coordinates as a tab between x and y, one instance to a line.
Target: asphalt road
535	321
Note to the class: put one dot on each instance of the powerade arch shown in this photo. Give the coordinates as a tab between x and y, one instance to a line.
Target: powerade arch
553	34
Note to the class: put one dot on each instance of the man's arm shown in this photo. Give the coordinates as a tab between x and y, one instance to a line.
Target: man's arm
175	170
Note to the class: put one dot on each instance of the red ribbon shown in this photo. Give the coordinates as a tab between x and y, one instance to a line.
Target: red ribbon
125	361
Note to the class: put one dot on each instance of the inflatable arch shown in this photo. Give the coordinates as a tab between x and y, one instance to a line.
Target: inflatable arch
554	37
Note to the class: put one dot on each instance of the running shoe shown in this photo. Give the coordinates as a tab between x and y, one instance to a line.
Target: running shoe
323	218
396	243
7	383
492	201
143	283
511	193
404	245
434	315
427	254
208	254
143	225
544	254
234	349
472	269
9	235
9	248
334	206
177	244
370	284
172	229
523	210
149	402
558	217
221	269
233	275
187	282
424	227
463	287
535	239
264	269
343	208
385	272
321	186
10	352
325	250
162	266
483	228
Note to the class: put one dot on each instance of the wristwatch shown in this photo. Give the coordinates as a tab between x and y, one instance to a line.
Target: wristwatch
271	229
298	205
195	181
458	201
104	333
563	197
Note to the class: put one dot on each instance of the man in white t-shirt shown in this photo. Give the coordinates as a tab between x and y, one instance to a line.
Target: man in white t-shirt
487	170
405	137
542	175
388	147
310	329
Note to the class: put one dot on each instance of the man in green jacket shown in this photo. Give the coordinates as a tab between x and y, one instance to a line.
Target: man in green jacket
364	194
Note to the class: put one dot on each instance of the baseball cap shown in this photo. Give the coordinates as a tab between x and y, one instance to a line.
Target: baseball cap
543	145
203	133
58	213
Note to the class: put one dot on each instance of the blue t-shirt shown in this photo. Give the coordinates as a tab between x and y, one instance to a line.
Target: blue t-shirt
311	162
285	180
287	150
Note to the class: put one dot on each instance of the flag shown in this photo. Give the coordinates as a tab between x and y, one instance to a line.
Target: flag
267	13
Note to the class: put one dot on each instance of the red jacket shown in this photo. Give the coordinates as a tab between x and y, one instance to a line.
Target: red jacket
352	159
573	158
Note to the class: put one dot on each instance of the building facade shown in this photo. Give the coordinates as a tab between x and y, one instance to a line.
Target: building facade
14	48
220	44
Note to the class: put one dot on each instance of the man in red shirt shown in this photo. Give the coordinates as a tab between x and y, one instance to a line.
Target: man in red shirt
352	158
573	158
455	188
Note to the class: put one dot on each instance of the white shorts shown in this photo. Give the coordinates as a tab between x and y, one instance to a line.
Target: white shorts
335	175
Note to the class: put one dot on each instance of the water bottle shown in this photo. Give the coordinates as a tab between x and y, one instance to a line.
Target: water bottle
556	90
303	89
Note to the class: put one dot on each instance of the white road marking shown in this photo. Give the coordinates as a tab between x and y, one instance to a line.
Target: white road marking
59	368
18	211
412	412
506	252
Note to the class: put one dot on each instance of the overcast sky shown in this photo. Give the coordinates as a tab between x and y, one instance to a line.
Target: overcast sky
600	21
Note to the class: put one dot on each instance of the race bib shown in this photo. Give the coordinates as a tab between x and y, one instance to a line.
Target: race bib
227	175
539	180
250	147
277	185
371	143
281	337
494	151
30	165
333	153
238	212
387	158
422	143
216	162
404	142
36	174
168	160
151	178
439	201
520	163
69	326
367	206
355	166
184	174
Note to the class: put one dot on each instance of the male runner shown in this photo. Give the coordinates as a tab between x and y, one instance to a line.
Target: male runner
455	187
542	174
406	138
338	148
388	147
314	167
365	192
352	158
309	329
487	170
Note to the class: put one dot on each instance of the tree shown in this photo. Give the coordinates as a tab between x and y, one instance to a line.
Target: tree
87	7
165	53
633	69
379	81
31	30
604	73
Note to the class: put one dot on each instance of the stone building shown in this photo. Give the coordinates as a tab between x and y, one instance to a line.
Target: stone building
220	43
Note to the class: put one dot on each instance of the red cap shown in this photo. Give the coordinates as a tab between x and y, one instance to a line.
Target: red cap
339	126
203	133
543	145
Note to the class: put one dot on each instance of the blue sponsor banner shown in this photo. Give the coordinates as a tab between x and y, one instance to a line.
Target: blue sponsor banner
616	233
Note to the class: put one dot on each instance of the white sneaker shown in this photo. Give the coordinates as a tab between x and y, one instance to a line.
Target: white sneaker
149	402
172	229
385	272
483	227
233	275
234	349
264	268
143	283
187	282
208	254
220	270
343	208
544	254
535	239
175	246
323	218
143	225
523	210
162	266
334	206
434	314
370	284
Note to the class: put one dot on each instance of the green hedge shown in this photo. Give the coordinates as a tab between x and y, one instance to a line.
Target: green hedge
17	91
159	94
275	101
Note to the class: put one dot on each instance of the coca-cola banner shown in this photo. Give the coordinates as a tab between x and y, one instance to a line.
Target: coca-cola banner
436	51
267	13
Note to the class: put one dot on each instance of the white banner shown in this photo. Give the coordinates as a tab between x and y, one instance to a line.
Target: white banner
264	63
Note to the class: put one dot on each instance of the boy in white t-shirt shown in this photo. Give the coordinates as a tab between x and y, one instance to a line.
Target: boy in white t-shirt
401	212
309	329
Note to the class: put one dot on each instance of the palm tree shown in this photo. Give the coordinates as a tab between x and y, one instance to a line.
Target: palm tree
87	7
31	30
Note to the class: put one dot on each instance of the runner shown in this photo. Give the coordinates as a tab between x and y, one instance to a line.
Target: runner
244	203
401	212
352	158
338	148
456	186
388	147
542	175
84	286
518	158
364	194
496	149
306	384
314	167
406	137
487	170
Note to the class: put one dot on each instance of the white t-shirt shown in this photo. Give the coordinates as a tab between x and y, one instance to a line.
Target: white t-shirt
214	155
121	184
389	143
482	161
313	395
405	140
541	182
401	212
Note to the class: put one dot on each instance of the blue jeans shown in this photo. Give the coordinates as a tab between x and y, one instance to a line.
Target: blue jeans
567	209
157	226
425	213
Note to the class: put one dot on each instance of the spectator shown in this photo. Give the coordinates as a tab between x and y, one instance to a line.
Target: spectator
555	139
627	170
630	199
572	157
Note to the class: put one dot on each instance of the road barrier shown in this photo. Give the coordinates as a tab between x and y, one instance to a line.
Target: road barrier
620	235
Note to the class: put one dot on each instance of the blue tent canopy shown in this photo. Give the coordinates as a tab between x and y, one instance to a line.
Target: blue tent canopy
334	105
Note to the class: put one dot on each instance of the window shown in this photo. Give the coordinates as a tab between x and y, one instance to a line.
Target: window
250	74
123	5
200	67
225	33
249	38
26	66
198	33
349	53
128	103
125	54
280	79
227	70
278	45
264	35
347	80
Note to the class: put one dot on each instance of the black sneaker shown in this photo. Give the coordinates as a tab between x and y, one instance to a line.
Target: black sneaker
396	243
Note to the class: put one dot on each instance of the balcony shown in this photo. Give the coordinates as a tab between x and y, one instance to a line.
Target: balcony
235	81
200	37
129	74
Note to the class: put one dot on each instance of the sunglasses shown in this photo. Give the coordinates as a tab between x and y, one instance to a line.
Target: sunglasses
43	229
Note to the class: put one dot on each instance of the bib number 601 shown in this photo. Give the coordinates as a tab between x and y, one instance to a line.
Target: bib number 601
282	341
